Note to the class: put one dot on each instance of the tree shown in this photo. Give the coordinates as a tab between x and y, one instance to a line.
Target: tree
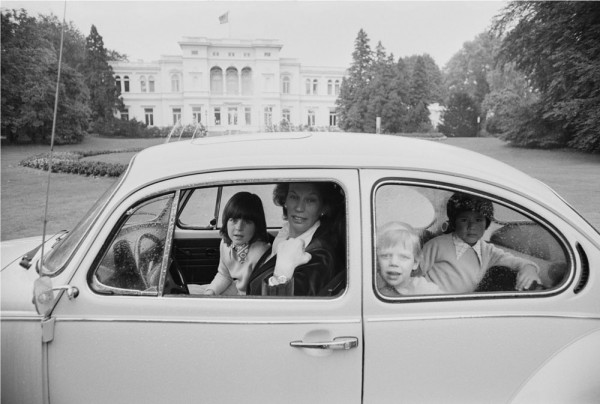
99	78
30	49
352	104
436	90
418	116
555	44
460	118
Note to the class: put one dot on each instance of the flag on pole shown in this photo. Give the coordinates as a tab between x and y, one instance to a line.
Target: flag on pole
224	19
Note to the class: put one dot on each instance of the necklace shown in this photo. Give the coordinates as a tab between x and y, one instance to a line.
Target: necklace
242	251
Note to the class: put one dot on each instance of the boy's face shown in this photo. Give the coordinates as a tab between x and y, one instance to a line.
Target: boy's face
470	226
396	264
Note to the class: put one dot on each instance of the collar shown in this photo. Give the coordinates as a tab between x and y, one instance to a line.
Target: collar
461	247
284	234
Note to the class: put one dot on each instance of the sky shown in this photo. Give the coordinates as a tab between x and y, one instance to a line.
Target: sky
317	33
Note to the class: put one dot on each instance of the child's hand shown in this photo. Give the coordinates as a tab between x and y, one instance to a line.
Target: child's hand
290	254
526	277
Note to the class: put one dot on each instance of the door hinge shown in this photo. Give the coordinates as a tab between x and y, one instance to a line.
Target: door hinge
48	330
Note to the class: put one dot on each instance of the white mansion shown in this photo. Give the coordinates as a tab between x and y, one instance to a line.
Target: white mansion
228	85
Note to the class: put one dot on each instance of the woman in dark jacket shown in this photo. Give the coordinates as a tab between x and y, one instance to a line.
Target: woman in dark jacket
302	259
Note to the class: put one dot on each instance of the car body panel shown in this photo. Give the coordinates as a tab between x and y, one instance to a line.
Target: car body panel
458	348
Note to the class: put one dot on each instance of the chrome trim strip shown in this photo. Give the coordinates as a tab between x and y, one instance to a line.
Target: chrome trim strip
476	316
21	318
181	321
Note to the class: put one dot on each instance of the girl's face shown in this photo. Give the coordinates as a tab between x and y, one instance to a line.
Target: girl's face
304	207
470	226
240	231
396	264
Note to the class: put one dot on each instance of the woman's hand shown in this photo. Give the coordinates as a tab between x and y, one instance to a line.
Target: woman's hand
526	277
290	255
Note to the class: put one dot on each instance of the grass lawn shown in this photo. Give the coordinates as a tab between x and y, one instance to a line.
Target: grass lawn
576	176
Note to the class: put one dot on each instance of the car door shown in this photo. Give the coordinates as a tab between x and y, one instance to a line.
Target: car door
116	347
480	346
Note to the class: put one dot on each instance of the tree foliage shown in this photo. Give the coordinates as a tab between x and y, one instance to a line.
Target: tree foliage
460	118
556	46
378	86
99	78
30	49
30	53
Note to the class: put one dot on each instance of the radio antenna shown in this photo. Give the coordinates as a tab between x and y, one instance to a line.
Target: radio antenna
60	52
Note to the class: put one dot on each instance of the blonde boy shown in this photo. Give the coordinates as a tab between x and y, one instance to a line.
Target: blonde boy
398	249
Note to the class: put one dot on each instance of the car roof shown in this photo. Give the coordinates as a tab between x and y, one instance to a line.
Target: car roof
321	150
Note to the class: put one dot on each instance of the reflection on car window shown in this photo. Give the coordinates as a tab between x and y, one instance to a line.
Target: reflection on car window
438	241
133	260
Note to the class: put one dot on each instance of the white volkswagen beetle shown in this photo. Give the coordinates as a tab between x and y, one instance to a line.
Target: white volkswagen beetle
102	330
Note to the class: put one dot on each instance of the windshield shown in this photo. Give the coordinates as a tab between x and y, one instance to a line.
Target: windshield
60	254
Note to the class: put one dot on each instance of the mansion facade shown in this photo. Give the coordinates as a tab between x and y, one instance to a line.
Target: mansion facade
228	85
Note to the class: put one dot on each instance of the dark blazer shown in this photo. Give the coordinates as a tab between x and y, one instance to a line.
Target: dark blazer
308	278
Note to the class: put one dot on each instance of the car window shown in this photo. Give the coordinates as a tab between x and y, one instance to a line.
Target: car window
442	241
132	260
200	258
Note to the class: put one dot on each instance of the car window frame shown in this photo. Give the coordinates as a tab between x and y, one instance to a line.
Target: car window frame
180	184
495	198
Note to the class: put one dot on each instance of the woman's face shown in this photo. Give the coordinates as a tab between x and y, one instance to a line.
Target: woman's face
240	231
304	207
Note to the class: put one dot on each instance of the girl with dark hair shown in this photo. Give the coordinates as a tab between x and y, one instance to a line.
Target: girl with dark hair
244	241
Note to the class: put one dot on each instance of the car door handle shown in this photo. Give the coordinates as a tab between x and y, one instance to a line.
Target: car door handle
337	343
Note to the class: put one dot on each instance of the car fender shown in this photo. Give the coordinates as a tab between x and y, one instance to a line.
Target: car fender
569	376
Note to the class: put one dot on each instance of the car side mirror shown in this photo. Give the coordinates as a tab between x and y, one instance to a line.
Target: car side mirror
43	294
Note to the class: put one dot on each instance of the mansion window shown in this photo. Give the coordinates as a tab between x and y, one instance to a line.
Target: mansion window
197	114
216	80
332	117
286	115
267	54
312	86
118	82
285	85
149	116
175	83
176	115
337	87
215	53
143	84
268	116
246	81
311	117
232	81
231	54
217	115
124	114
232	116
329	87
151	84
126	84
248	115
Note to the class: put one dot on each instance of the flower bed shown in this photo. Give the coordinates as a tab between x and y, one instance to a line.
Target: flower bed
72	163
